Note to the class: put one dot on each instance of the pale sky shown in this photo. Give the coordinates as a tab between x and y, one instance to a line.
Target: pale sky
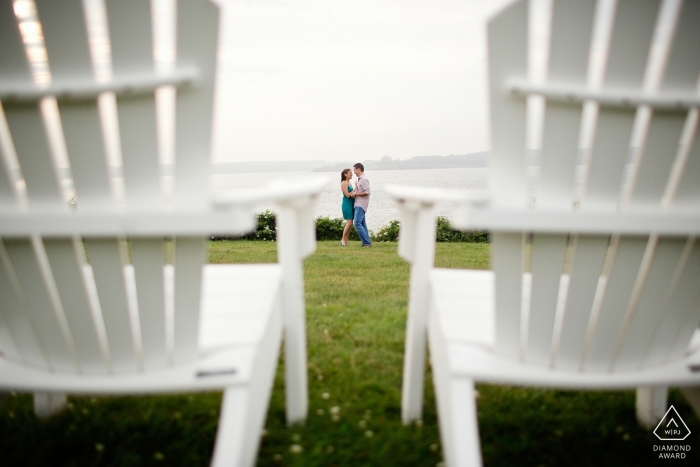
351	79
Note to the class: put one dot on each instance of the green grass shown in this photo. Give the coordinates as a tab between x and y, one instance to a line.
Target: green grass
356	309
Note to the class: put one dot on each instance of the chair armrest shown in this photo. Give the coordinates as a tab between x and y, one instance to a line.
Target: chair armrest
416	207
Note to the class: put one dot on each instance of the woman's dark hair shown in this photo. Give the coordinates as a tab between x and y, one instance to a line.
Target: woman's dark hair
342	174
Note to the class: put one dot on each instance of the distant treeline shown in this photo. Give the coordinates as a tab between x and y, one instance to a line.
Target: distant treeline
332	229
477	159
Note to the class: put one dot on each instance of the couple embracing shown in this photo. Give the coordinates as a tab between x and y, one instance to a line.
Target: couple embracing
355	204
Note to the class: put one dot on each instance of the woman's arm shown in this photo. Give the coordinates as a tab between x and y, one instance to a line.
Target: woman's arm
344	189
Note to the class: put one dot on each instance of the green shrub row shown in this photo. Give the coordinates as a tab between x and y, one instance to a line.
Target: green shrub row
332	229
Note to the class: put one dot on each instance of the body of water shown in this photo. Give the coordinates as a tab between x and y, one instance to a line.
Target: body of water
381	208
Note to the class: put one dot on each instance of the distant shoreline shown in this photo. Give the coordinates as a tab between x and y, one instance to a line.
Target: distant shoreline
478	159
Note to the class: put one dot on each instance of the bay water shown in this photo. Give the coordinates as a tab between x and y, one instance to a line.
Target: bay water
382	209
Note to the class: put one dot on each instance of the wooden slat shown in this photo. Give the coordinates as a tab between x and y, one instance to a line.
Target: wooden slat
13	58
40	307
13	67
132	51
105	259
656	288
628	258
148	258
189	258
688	193
507	254
8	197
69	58
588	260
572	25
677	303
686	299
19	341
71	288
633	30
683	66
507	39
548	253
659	154
197	40
32	147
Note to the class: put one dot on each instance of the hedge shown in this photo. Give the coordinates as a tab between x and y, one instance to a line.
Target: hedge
332	229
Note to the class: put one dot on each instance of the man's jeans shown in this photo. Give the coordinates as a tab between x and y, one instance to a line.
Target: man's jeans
361	225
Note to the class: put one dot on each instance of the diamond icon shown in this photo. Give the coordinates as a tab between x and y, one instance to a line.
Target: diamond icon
672	427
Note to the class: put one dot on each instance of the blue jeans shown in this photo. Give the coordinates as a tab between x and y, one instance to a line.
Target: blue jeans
361	225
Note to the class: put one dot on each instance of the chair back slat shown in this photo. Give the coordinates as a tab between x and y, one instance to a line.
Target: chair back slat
65	33
13	59
572	26
688	193
32	147
67	272
108	271
587	265
190	255
641	320
13	66
197	36
41	306
629	48
22	336
683	65
507	36
680	311
665	130
507	264
657	158
148	258
689	322
548	252
132	51
65	36
8	197
618	290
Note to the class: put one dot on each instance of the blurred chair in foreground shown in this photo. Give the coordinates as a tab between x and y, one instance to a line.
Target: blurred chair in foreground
595	280
91	304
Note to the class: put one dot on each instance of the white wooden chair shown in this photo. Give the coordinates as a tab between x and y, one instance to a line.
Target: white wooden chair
85	312
588	291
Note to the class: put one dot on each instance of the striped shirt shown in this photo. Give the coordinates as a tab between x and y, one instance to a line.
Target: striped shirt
362	187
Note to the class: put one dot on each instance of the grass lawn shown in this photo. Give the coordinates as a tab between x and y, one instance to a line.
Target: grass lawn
356	309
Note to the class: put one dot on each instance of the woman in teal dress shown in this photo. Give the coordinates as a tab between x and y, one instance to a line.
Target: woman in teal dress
348	204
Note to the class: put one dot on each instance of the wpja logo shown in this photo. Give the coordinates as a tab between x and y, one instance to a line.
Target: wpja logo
672	428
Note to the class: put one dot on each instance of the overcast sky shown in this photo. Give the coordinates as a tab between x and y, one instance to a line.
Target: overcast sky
351	79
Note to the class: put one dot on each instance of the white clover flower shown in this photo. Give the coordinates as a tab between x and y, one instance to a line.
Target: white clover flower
325	395
335	410
320	412
369	434
296	449
319	377
335	418
362	424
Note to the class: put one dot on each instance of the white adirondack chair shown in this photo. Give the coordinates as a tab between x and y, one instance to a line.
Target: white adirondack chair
599	291
83	313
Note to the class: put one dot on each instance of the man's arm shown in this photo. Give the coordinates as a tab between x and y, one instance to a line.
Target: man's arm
363	188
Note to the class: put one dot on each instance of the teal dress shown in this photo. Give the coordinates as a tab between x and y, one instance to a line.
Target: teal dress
348	205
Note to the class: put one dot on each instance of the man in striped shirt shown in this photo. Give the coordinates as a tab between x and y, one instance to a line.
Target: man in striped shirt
361	204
